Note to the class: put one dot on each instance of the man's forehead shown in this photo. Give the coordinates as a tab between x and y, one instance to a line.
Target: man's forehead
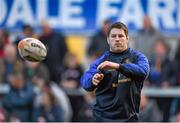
117	31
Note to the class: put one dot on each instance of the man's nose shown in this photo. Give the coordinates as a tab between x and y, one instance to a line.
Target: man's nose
117	38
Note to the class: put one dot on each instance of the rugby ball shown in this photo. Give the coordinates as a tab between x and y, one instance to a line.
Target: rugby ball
32	49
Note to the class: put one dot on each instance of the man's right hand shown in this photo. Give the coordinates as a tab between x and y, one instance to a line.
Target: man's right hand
97	79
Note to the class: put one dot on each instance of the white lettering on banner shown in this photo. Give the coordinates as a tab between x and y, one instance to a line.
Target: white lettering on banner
41	10
52	20
43	14
20	11
132	13
105	10
68	11
162	14
178	13
3	11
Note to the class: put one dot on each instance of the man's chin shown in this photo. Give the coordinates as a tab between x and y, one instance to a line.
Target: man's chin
118	50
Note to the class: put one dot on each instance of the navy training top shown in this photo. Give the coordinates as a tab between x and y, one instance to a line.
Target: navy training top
118	94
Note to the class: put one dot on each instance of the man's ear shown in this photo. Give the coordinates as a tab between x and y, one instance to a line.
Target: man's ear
108	40
127	39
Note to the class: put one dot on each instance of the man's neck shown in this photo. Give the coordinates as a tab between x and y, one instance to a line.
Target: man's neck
119	51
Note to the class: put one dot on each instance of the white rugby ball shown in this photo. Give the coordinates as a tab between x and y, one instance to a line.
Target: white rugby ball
32	49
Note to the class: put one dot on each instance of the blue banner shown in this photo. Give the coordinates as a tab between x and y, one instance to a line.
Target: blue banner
86	16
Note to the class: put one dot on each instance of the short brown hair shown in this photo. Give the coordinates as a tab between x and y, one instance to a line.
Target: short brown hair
119	25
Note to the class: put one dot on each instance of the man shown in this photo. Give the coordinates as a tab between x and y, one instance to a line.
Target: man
26	31
18	103
146	37
118	77
57	48
98	44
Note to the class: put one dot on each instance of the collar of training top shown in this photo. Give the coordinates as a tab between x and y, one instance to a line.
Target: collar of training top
121	53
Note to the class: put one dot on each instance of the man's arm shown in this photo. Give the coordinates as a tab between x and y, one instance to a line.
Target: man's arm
91	78
86	79
136	71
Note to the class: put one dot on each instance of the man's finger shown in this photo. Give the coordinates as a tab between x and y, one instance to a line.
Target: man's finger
99	67
102	65
102	76
96	76
95	81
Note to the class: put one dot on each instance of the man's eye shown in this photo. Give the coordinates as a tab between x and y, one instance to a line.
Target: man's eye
120	36
113	36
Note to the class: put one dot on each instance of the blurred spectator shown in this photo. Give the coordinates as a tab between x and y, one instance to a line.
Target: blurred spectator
2	115
4	40
57	48
177	55
163	71
177	59
18	103
175	110
85	113
163	74
27	31
48	110
98	42
42	83
77	101
14	118
175	106
149	111
33	68
9	62
71	72
146	37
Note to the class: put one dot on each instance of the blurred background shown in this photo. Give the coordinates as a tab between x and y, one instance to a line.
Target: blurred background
74	33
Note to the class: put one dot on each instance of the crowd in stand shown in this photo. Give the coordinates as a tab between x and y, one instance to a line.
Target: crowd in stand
39	90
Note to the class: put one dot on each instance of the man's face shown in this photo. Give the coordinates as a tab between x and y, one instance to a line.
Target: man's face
117	40
17	81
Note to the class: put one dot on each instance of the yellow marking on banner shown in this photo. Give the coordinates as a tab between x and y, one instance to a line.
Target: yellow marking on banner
76	44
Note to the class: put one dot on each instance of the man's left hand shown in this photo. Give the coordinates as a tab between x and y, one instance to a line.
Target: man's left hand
107	65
